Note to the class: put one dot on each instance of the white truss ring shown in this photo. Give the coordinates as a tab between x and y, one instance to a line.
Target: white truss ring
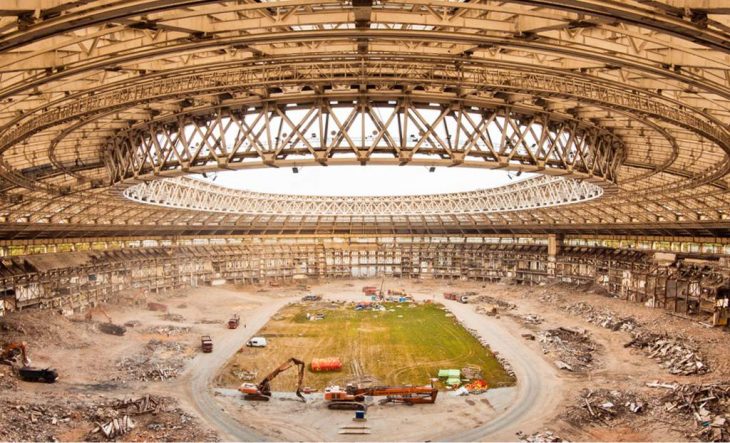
538	192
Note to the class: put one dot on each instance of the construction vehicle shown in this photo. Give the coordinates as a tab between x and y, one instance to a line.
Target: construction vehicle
46	375
11	352
456	297
108	327
262	391
352	398
206	344
370	290
234	321
257	342
16	355
89	316
311	297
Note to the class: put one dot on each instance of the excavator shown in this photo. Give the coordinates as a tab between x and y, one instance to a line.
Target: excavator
16	355
262	391
10	352
353	397
89	316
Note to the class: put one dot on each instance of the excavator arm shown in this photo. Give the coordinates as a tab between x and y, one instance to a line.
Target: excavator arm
10	352
262	391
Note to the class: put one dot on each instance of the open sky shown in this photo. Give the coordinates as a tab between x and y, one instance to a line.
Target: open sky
361	180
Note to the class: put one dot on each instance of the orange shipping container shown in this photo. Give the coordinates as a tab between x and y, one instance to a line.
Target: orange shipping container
325	364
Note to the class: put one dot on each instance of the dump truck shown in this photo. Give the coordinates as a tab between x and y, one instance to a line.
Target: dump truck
456	297
206	343
234	321
370	290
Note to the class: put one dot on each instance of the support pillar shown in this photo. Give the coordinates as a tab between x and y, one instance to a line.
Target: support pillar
555	245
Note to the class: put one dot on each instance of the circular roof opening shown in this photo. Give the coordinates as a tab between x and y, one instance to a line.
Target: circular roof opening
359	181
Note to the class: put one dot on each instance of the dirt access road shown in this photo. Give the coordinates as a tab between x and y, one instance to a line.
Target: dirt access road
538	387
197	381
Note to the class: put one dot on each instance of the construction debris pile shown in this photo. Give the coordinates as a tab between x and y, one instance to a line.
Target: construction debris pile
168	330
574	348
486	299
8	381
169	316
604	406
244	374
532	319
38	328
59	416
160	361
540	437
602	317
675	354
706	405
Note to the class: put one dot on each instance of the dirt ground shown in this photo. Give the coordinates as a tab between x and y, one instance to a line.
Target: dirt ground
156	357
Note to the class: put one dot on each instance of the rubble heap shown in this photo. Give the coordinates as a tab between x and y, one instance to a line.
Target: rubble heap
159	361
574	348
168	330
52	416
540	437
494	301
532	319
707	405
678	355
602	317
605	405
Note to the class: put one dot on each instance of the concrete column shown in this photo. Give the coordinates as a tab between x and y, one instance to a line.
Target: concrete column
555	244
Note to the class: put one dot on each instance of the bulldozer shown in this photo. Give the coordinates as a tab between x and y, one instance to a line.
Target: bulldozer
262	391
353	397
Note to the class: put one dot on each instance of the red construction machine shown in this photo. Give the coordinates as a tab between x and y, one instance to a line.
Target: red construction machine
353	397
262	391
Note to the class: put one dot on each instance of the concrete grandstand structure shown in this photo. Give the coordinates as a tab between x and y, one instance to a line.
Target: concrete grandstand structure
625	106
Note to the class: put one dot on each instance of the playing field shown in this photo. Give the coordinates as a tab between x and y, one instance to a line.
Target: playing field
406	344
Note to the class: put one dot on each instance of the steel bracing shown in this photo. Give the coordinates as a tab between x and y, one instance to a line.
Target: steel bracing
631	96
378	129
186	193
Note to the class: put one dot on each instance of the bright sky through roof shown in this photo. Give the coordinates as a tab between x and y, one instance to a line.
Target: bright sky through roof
362	180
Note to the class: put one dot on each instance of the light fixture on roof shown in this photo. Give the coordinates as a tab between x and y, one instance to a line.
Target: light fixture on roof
432	169
295	170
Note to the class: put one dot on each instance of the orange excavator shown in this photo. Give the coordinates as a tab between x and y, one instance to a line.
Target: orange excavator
353	397
10	352
89	316
262	391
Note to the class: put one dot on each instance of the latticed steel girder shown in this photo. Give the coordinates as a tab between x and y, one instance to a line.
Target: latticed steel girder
361	129
538	192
